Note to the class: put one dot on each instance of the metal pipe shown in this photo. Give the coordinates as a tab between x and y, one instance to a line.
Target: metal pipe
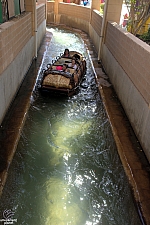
35	29
103	29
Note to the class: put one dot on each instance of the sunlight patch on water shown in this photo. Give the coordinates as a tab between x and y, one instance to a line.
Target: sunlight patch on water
63	133
58	204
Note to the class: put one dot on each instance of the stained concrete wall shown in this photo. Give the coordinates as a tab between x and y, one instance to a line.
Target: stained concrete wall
50	12
13	75
95	28
17	50
126	61
74	16
41	23
132	101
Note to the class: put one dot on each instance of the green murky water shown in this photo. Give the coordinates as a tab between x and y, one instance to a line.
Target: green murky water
66	169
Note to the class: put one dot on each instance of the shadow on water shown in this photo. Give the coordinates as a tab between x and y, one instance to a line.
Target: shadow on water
66	169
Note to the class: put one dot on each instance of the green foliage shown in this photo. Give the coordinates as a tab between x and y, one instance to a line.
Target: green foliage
102	7
146	36
139	12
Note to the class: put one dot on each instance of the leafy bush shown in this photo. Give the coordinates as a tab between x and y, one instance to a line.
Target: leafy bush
146	36
102	7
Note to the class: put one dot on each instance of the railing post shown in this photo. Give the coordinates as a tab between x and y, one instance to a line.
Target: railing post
112	12
35	27
103	28
56	15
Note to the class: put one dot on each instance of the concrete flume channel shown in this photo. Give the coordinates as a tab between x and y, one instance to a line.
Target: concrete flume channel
134	162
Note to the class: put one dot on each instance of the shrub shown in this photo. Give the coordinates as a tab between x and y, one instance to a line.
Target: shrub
146	36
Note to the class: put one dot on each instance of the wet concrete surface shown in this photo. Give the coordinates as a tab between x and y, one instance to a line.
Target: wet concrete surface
131	154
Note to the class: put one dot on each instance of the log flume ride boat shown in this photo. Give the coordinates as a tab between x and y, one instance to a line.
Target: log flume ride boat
64	75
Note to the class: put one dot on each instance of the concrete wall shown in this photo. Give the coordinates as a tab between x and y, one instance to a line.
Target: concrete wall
114	10
77	16
16	37
17	50
69	14
50	12
74	16
41	23
95	28
126	60
13	36
13	75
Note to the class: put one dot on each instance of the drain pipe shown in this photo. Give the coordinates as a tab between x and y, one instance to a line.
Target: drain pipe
103	29
35	29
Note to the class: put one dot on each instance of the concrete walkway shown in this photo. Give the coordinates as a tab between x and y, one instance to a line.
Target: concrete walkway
135	164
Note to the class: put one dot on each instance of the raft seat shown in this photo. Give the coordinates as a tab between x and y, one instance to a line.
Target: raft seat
59	67
71	70
63	60
58	81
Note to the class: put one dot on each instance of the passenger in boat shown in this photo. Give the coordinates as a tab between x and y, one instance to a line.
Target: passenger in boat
73	64
48	70
76	57
65	68
59	67
76	78
66	53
